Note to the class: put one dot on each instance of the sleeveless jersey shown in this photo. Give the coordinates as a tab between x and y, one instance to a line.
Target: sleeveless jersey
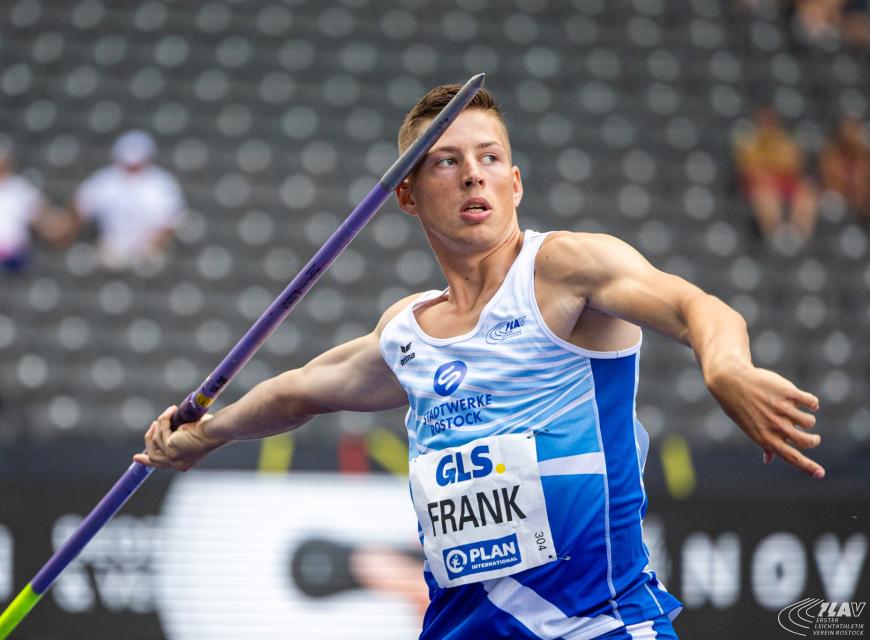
512	375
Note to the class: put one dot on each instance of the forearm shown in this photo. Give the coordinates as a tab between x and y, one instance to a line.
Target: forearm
270	407
718	336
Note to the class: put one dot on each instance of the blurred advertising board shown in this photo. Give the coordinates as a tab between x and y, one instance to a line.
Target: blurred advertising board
222	554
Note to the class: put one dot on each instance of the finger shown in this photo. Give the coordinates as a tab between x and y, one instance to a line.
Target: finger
801	438
164	428
167	412
794	435
160	428
797	459
768	456
799	418
805	399
151	460
142	458
149	437
153	452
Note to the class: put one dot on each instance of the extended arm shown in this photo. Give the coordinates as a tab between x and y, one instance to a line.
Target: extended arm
615	279
352	376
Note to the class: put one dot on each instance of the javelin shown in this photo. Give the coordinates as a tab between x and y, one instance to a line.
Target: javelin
196	404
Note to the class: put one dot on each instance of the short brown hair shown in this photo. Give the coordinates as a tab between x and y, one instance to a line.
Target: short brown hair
431	104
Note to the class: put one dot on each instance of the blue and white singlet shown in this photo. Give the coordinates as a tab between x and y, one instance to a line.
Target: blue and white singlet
526	473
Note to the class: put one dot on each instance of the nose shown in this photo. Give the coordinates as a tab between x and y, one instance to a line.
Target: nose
473	175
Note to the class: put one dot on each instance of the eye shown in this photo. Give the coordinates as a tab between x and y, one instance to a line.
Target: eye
489	158
445	162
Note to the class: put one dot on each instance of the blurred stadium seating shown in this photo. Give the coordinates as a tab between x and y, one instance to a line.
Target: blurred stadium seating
278	117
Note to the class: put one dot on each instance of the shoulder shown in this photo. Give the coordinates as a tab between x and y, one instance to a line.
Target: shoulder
101	178
579	240
394	310
566	250
23	187
583	262
160	175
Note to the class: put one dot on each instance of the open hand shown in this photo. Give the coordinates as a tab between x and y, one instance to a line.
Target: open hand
773	412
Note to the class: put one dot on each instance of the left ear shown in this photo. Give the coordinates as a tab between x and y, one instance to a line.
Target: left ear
518	185
405	198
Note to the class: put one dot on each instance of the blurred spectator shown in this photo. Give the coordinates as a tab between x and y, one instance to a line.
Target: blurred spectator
830	21
818	20
770	163
135	204
22	210
856	23
845	165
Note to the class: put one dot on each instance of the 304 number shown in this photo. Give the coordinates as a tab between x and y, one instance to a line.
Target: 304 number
541	540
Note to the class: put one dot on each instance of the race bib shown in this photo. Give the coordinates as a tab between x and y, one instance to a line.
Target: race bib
481	507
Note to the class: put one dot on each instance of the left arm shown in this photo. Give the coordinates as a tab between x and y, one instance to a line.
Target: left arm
612	277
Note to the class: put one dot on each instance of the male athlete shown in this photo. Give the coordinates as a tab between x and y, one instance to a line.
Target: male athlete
526	458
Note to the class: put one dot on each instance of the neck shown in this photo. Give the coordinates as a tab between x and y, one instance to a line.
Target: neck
474	275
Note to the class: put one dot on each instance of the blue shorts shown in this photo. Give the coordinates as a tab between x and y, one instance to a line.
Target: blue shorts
657	629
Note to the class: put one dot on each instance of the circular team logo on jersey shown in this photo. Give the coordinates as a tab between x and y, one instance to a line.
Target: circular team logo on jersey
448	377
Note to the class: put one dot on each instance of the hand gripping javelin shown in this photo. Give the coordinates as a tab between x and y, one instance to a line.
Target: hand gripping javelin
197	402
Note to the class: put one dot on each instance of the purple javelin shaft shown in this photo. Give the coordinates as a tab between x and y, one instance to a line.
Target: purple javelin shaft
197	403
107	507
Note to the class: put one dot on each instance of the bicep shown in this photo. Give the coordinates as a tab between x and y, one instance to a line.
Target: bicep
629	287
352	377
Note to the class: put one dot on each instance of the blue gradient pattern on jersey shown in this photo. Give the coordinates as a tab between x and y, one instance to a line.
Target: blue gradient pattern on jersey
580	408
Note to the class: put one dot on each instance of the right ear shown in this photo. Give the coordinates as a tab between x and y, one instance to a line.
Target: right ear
405	197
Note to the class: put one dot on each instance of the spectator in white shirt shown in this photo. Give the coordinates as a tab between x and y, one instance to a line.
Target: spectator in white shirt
22	210
135	204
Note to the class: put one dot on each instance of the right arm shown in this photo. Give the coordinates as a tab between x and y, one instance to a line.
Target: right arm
352	377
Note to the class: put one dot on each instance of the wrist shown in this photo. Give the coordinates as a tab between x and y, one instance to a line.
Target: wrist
214	431
723	370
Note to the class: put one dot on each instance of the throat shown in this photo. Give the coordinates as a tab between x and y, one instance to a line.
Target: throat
442	320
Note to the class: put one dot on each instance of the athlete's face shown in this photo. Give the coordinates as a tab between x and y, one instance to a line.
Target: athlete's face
466	190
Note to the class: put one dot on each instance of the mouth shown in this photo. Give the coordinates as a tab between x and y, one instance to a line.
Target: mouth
475	210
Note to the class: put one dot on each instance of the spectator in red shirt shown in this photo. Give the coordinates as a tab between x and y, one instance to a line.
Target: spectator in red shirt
771	167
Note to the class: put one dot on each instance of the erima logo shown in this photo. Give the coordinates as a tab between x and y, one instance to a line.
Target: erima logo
406	358
505	329
448	377
814	616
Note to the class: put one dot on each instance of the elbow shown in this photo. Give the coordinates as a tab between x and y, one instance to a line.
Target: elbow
292	398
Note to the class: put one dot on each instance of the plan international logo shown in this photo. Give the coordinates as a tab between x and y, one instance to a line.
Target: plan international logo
486	555
817	618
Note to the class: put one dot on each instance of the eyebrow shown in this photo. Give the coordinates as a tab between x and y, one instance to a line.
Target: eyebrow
482	145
